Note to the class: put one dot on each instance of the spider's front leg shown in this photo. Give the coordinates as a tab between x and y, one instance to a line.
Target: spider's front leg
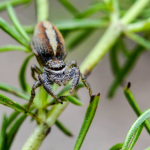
45	83
86	84
34	87
75	77
35	69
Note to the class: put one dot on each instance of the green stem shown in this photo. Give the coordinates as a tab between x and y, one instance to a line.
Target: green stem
40	132
37	137
134	11
55	112
110	37
42	10
115	12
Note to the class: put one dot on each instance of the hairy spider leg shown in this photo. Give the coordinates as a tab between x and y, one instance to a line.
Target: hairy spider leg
76	78
46	85
35	69
86	84
34	87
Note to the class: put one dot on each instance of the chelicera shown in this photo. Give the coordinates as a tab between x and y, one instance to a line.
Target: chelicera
48	47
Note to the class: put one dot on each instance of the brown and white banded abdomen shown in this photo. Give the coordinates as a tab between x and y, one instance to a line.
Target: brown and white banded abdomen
48	42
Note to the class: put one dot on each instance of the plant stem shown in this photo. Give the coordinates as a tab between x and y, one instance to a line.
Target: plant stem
42	10
101	48
40	132
37	137
55	112
134	11
110	37
114	15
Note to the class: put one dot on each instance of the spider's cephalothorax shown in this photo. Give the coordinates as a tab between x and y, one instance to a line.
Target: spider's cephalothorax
48	47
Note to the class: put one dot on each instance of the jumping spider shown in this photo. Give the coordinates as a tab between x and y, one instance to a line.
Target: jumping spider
48	47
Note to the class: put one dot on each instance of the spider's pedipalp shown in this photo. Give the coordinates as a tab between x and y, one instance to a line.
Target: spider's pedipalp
35	69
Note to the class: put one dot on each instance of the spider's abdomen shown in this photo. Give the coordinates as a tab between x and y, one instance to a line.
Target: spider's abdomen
48	42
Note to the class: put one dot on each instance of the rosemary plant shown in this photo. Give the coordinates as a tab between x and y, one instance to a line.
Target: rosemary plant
119	21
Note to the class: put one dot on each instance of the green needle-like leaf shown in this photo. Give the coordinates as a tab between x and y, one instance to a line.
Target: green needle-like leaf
12	117
134	105
12	32
132	58
90	113
91	10
140	40
139	26
134	128
79	38
13	130
136	136
13	90
123	47
63	128
73	100
64	90
16	23
29	29
22	72
67	87
14	48
3	133
114	59
3	4
67	4
9	103
80	24
117	146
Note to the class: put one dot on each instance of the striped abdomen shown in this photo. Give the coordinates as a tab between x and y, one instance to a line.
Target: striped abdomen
48	42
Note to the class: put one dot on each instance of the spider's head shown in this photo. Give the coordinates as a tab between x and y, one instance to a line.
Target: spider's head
55	64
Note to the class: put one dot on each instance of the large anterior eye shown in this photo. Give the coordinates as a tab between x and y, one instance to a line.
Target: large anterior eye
58	68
